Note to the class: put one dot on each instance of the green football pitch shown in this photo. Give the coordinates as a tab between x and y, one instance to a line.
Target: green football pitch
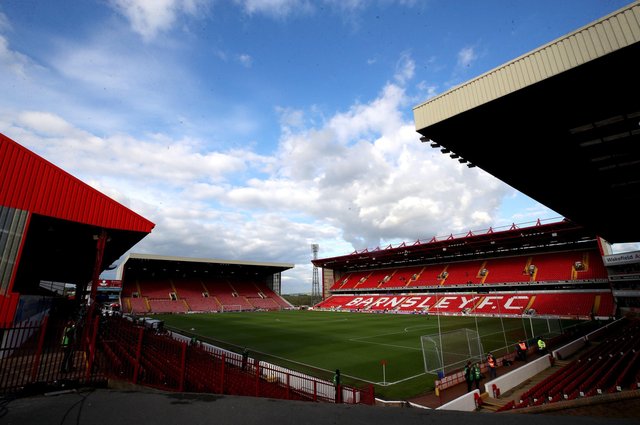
380	349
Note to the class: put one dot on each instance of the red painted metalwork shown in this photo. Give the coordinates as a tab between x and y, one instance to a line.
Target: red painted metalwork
8	305
183	366
31	183
97	268
91	346
126	351
36	361
31	353
136	368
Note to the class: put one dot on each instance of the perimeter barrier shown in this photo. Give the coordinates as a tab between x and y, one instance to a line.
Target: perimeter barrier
121	349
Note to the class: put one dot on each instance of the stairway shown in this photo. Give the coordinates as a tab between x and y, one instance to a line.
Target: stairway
490	404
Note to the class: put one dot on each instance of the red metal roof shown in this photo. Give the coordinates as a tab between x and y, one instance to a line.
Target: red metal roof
31	183
557	235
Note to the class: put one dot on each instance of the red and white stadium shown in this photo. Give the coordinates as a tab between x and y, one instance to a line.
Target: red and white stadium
536	123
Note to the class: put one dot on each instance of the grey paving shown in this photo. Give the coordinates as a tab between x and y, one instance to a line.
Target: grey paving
109	406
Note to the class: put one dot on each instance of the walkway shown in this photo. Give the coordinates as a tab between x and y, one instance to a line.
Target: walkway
433	400
622	405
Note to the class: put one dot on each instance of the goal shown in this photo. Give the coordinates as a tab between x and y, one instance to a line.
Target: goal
448	351
231	307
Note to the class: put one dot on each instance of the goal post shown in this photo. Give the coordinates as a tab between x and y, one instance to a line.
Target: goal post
231	307
448	351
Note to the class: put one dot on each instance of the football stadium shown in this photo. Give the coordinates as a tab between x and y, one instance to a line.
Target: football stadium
395	326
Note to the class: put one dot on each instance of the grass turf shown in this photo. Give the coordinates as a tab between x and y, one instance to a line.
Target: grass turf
317	342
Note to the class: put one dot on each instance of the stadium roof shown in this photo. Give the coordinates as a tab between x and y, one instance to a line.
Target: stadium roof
560	124
58	218
143	264
514	240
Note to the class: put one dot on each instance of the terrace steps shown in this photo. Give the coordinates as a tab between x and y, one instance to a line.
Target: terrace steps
490	404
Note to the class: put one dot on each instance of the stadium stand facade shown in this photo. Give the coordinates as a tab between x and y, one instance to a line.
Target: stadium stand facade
161	284
544	270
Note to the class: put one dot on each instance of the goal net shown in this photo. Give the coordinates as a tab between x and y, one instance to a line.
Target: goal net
449	351
225	308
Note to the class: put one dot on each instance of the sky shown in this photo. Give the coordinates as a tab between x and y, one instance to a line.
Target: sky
252	129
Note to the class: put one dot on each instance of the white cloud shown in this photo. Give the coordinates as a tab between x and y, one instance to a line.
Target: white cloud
290	118
381	114
466	56
280	9
245	60
276	8
157	160
405	69
45	123
4	22
11	60
152	17
107	78
365	172
426	91
106	66
358	179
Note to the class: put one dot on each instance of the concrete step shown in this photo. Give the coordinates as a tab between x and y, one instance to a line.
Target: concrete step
514	394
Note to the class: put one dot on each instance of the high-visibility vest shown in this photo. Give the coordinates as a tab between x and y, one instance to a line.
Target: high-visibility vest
523	345
541	344
491	362
66	335
476	373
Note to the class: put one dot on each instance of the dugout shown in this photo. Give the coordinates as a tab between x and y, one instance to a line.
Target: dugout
55	230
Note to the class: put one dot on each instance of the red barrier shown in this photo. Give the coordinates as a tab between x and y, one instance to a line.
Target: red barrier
117	348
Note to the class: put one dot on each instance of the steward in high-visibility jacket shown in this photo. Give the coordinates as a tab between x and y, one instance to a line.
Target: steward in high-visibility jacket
477	375
468	375
68	333
541	345
68	339
521	349
491	363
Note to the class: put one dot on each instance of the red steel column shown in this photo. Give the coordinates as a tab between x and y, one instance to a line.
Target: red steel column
97	268
91	347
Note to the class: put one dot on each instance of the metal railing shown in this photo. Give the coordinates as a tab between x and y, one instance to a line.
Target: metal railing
117	348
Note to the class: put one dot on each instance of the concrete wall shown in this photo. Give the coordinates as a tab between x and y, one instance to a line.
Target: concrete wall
465	403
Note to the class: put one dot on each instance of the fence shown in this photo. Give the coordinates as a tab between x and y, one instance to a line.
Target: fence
116	348
32	355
